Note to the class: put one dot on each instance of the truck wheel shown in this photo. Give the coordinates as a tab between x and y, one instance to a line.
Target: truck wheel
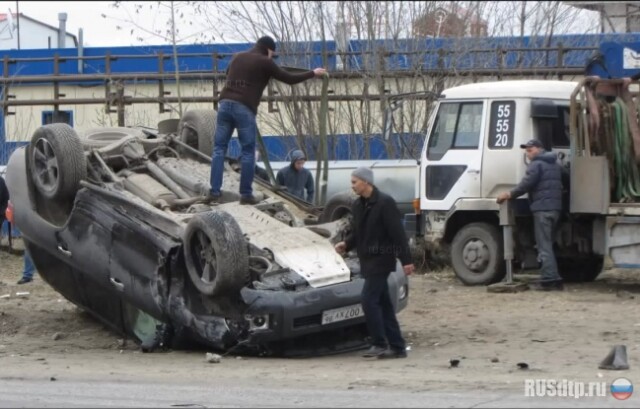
580	270
196	129
57	162
477	254
337	207
216	254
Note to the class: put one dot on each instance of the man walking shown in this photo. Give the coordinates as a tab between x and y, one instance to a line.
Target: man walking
379	238
296	178
247	76
543	183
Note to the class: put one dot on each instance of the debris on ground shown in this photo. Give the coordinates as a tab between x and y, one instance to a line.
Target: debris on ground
213	358
616	359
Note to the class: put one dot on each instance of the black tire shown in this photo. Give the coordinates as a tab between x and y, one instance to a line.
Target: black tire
477	255
100	137
57	162
580	270
216	254
337	207
196	129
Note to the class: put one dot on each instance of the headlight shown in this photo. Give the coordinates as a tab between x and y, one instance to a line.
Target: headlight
403	291
257	322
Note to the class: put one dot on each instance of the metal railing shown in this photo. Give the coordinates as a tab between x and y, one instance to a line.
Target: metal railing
115	83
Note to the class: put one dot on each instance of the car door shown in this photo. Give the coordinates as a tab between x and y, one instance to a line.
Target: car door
139	261
452	157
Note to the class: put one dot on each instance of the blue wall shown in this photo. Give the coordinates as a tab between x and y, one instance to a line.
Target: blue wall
466	56
464	50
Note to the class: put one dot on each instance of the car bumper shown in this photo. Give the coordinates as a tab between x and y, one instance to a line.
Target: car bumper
290	315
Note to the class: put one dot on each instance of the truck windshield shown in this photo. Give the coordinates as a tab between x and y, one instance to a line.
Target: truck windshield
457	126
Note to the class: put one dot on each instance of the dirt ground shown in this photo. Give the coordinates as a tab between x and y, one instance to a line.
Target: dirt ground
559	335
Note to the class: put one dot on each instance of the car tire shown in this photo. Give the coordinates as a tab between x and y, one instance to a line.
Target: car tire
196	129
337	207
580	270
101	137
477	255
216	253
57	162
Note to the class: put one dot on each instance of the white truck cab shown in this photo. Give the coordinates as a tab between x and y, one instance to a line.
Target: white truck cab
471	154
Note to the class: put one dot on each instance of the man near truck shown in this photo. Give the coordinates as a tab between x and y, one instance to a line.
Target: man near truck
543	183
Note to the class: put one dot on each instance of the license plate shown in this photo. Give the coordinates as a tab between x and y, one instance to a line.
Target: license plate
342	314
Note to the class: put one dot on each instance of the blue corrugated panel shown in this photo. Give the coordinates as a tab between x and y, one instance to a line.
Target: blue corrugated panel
617	60
341	147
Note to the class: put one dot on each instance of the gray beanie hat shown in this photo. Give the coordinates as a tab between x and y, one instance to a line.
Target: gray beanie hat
363	173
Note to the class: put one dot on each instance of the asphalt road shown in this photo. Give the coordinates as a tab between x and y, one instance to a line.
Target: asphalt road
218	393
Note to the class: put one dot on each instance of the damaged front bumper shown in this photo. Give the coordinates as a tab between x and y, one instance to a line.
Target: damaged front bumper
277	316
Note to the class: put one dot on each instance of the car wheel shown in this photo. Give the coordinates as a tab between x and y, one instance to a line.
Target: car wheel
578	270
196	129
337	207
216	253
98	138
477	254
57	162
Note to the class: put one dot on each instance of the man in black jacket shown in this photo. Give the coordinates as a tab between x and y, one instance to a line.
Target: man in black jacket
543	183
4	200
247	76
378	236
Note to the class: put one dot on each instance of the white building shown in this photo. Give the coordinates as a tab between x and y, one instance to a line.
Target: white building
615	16
20	32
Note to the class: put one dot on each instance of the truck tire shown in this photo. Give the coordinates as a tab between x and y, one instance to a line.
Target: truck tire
57	162
196	129
477	255
216	254
580	270
337	207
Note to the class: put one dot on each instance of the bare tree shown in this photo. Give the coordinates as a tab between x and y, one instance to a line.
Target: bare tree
170	16
369	41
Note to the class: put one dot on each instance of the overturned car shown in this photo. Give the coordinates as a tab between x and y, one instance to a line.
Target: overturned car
118	221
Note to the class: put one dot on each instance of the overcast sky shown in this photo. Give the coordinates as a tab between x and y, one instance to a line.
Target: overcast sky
98	31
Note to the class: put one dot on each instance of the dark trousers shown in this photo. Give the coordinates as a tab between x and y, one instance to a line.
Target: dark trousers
380	314
544	226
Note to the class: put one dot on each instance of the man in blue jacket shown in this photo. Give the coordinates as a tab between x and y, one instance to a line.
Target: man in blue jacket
296	178
543	183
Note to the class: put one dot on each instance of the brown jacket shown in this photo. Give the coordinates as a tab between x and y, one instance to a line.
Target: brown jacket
248	75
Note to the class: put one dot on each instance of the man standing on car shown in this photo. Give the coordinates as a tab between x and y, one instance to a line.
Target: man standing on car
296	178
378	236
247	76
543	183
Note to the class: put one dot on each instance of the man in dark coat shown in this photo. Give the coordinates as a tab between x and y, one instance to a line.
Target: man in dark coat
247	76
4	200
378	236
296	178
543	183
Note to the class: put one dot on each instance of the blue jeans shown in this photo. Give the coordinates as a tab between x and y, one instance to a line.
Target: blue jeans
379	313
234	115
544	227
29	268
